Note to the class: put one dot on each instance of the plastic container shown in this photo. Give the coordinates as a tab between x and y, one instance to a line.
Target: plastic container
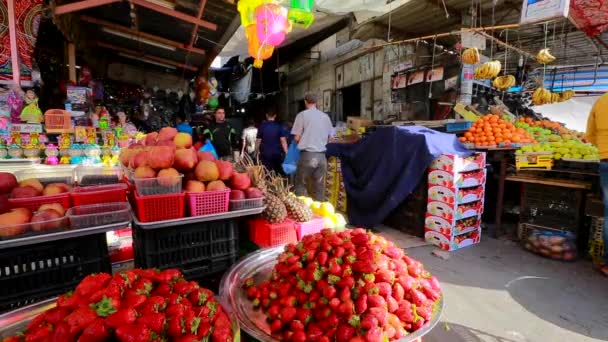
27	229
198	249
92	175
35	272
95	215
34	203
249	203
99	194
266	234
458	126
534	160
154	186
311	227
159	207
208	202
47	176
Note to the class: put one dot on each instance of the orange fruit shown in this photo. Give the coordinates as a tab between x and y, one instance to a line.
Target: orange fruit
462	139
468	134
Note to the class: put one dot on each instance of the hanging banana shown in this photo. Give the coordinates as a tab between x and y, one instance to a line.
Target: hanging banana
541	96
471	56
544	57
487	70
504	82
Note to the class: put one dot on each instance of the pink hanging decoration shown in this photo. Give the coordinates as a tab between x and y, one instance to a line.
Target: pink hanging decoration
272	24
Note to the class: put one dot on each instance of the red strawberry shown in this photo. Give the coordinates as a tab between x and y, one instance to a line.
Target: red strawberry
374	335
162	290
299	336
200	296
167	276
248	282
39	334
414	269
313	333
273	311
252	292
153	304
376	301
61	333
91	284
398	292
346	308
55	315
381	314
296	325
435	284
334	303
392	304
95	332
187	338
203	330
38	320
394	252
418	297
122	317
368	321
329	292
344	333
276	325
79	319
359	239
407	282
154	321
385	275
175	327
132	300
347	281
361	304
338	252
363	266
384	289
183	288
133	333
345	294
287	314
322	258
175	310
68	300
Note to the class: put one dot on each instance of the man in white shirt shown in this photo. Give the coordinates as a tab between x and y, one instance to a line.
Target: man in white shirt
312	130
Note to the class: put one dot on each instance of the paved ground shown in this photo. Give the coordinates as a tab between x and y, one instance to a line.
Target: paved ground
496	291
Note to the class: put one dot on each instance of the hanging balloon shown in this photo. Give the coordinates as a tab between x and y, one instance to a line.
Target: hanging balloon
272	24
213	103
259	52
247	10
300	13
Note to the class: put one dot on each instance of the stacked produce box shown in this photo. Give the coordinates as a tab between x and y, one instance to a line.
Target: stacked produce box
335	192
456	189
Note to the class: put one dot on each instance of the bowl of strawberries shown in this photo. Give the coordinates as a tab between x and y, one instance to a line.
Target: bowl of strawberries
351	285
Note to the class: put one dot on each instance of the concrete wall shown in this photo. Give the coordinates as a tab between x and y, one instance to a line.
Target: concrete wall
146	78
334	64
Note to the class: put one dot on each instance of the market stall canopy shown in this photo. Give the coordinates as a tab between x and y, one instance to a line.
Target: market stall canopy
180	35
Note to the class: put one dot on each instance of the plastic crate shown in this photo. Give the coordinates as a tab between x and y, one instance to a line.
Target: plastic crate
99	194
208	202
92	175
153	186
33	203
37	228
31	273
95	215
596	240
550	206
250	203
159	207
458	126
57	121
311	227
198	249
266	234
47	176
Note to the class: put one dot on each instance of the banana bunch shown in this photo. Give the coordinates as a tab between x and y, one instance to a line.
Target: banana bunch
488	70
470	56
544	57
566	95
504	82
542	96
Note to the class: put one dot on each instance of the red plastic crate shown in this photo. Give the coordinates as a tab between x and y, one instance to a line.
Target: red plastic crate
311	227
34	203
99	194
266	234
208	202
158	207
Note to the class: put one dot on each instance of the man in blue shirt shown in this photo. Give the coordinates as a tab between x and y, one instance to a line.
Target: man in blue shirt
272	143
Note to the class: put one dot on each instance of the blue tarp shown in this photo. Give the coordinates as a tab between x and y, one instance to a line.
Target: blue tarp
381	170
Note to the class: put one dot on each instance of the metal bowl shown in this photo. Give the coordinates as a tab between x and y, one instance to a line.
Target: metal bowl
258	265
17	320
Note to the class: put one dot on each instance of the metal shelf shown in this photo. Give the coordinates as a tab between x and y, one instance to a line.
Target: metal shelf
198	219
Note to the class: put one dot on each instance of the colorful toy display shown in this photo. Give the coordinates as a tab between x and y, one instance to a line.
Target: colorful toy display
300	13
51	153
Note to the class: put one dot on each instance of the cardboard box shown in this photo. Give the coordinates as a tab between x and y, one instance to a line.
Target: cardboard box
356	122
455	181
450	229
452	243
454	212
454	164
460	196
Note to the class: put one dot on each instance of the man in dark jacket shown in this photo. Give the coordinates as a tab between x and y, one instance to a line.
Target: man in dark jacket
221	134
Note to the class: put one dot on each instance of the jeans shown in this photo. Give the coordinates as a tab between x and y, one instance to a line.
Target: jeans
310	174
604	184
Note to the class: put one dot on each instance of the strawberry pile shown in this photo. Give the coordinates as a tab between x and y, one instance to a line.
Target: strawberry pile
345	286
133	306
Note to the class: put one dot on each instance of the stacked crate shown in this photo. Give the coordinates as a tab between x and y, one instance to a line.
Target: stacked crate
456	190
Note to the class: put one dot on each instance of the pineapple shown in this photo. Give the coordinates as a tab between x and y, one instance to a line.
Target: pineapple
275	211
296	209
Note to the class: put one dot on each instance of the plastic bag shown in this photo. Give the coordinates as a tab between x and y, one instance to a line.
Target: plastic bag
208	147
291	159
554	245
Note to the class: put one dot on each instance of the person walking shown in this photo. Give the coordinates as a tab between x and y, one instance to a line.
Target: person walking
597	134
221	134
248	138
311	130
272	143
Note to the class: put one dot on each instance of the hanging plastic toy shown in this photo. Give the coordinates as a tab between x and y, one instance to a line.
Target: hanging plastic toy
300	13
247	10
259	52
272	24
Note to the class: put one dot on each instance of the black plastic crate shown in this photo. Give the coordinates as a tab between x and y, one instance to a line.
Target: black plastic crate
198	249
35	272
551	206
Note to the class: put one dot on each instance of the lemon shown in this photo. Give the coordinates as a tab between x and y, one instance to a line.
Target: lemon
339	220
327	209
